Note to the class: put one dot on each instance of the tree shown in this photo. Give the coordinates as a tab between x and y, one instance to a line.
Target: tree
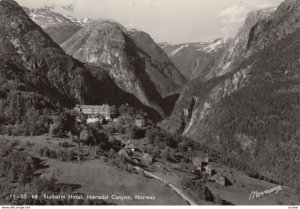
131	131
51	130
32	116
298	191
123	109
112	153
114	111
150	135
131	110
84	136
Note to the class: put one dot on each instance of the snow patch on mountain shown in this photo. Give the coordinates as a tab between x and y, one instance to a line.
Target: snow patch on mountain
78	21
46	18
173	53
213	46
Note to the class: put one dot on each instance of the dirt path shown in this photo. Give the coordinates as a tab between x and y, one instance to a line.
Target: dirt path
171	186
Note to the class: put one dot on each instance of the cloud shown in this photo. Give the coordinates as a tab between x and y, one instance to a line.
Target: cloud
130	25
233	14
69	8
265	6
48	7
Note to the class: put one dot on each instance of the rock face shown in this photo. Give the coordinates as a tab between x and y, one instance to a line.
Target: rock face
58	26
37	71
138	54
261	28
252	112
195	59
107	44
43	63
166	77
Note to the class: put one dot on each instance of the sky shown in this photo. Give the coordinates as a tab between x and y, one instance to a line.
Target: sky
173	21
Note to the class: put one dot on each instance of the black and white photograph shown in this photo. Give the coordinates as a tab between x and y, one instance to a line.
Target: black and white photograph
149	103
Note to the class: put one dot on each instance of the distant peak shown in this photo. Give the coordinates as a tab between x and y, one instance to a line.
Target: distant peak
79	21
10	2
262	13
106	23
132	30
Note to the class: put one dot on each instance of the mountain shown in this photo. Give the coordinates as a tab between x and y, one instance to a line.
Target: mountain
252	112
79	21
159	67
57	26
195	59
160	70
107	44
36	73
261	28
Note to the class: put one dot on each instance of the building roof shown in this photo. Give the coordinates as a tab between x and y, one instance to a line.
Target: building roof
93	106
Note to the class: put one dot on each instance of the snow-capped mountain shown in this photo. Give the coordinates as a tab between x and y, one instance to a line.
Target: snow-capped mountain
36	71
107	44
159	67
213	46
45	18
59	27
79	21
195	59
251	109
261	28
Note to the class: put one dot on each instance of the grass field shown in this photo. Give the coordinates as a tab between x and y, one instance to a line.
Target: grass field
96	177
243	185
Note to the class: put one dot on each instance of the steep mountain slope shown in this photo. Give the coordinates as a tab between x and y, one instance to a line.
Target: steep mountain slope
36	73
107	44
236	51
195	59
261	28
253	111
160	69
57	26
151	59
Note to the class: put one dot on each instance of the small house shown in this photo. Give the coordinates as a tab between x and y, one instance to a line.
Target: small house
140	122
200	163
197	162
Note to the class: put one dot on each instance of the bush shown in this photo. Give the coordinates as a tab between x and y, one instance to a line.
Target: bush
64	144
135	133
199	188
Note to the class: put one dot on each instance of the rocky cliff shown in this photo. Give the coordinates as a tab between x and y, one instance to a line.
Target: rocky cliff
58	26
237	48
251	112
195	59
159	67
261	28
107	44
35	71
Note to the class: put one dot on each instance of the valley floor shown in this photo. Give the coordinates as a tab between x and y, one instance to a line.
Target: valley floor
97	177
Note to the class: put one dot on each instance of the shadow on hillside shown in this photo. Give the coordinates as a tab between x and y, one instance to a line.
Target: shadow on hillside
39	165
69	187
168	103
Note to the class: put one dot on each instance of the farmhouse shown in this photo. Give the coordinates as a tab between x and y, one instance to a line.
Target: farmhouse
93	111
201	163
140	122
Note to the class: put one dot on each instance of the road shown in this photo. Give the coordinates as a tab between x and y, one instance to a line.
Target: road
171	186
